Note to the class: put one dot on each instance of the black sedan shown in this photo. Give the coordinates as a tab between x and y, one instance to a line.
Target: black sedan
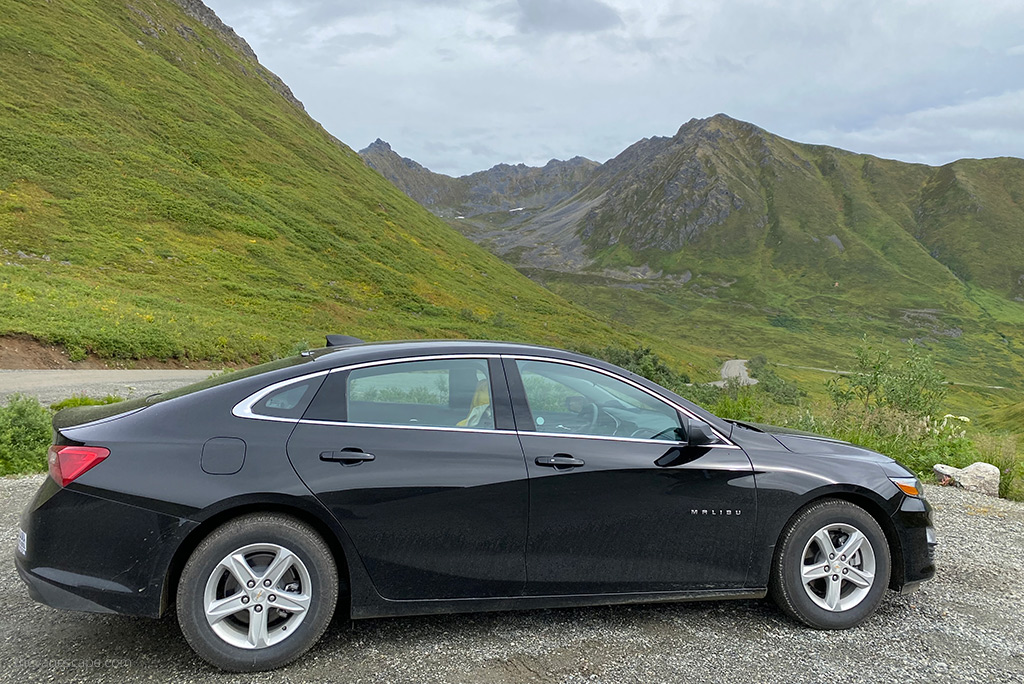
434	477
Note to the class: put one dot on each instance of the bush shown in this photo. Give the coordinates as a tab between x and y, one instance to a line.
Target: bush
24	436
78	400
769	382
643	361
1002	451
914	386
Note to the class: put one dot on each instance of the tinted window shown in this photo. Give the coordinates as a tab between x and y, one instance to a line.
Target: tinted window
453	393
289	401
570	400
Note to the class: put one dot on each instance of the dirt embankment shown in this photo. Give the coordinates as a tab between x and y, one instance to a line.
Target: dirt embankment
21	352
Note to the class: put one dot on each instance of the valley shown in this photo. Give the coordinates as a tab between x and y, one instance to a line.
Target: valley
736	242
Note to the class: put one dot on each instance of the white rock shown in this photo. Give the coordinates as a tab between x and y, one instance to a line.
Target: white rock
980	477
945	474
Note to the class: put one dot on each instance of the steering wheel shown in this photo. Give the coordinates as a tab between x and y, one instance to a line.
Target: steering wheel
591	410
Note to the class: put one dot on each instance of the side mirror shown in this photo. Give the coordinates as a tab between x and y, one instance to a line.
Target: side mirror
699	433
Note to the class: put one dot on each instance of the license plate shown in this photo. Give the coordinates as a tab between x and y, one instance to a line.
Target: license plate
22	542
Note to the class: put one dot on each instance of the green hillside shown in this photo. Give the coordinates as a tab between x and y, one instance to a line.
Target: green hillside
734	239
162	195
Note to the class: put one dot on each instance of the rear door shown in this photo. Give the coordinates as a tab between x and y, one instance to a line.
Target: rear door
419	462
618	503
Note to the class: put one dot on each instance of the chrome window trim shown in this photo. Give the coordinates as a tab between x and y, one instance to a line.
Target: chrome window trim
432	428
640	440
243	409
727	444
407	359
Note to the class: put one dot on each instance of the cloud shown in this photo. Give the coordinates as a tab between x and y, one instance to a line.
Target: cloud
566	16
983	127
460	85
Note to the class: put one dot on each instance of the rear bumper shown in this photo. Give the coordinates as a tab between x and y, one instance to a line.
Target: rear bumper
87	553
913	523
56	595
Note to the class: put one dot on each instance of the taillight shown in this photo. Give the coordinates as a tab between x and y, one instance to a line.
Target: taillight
68	462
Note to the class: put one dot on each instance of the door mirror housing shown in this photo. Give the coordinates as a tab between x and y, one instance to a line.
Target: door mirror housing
699	433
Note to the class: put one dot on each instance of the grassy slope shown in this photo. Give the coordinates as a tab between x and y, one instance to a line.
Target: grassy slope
159	199
783	288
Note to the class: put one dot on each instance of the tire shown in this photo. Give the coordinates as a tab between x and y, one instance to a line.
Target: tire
852	587
261	548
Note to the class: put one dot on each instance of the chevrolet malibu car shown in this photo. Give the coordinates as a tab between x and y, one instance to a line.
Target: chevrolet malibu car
436	477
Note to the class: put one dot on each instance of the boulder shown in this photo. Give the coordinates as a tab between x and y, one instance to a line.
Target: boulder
980	477
945	474
977	477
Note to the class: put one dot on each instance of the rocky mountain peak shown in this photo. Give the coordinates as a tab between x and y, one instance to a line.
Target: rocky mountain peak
715	127
378	145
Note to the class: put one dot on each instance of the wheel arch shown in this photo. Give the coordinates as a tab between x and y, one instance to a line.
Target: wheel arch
196	536
861	499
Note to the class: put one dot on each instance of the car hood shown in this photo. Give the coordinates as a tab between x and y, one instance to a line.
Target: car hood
801	442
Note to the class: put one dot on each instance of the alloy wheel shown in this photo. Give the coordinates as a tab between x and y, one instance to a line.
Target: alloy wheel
257	596
838	567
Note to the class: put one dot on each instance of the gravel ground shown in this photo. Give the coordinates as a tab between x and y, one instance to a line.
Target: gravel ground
966	626
49	386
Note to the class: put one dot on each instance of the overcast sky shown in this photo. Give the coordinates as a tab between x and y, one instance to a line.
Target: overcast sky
462	85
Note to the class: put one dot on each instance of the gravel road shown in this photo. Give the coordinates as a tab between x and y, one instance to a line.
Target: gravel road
965	626
49	386
735	368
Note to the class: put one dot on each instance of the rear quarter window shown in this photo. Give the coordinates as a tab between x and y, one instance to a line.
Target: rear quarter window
289	401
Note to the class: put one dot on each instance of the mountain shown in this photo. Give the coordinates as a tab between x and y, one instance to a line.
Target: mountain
732	237
501	189
164	195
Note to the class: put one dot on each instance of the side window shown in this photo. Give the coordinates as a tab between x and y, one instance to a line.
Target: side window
453	393
289	401
571	400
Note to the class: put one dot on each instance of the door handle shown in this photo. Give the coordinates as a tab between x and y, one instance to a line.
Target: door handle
349	456
560	461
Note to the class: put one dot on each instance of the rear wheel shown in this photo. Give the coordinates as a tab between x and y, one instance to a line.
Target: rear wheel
257	593
831	566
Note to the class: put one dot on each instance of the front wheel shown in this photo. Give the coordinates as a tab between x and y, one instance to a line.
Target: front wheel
831	567
257	593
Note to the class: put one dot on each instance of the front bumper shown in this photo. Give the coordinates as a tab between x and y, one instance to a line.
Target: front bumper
917	541
88	553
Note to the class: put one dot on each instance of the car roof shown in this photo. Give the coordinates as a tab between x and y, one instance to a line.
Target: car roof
420	347
240	383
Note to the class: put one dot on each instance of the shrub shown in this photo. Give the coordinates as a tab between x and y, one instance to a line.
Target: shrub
24	436
913	386
1002	452
769	382
743	404
78	400
701	394
643	361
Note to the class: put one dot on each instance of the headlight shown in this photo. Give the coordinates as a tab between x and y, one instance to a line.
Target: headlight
908	485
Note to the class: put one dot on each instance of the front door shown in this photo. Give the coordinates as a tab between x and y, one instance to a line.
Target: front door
605	517
411	460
